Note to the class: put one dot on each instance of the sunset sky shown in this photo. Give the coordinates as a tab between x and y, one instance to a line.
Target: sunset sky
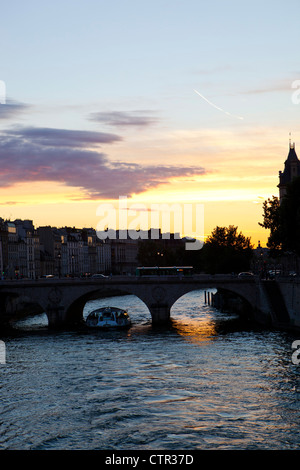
163	102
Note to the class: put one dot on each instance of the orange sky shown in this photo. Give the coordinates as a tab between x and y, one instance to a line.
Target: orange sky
239	177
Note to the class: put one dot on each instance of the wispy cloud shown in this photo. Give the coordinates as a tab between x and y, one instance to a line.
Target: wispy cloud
40	154
64	137
10	203
282	85
11	109
125	119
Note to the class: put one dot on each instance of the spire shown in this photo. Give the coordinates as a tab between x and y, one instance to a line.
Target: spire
292	145
292	153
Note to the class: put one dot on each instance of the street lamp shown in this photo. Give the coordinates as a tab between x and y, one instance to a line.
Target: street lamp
159	257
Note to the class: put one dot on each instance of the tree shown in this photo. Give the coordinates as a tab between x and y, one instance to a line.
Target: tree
226	250
271	221
283	220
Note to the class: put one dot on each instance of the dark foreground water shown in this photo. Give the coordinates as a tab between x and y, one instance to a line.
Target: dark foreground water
206	382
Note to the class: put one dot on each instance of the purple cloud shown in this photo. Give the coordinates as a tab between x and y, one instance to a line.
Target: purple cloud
124	119
31	154
12	108
64	137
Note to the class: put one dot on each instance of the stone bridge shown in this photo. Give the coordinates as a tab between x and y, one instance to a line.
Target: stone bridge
63	300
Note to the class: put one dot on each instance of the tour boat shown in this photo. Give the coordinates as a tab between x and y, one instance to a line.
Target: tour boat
108	317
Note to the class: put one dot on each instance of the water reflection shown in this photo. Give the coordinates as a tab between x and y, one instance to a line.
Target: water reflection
32	322
195	330
202	322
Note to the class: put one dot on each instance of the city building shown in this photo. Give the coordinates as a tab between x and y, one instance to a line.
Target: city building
124	254
26	252
20	249
50	250
3	247
73	252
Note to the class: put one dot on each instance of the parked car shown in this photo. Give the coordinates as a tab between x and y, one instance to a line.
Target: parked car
272	273
245	274
99	276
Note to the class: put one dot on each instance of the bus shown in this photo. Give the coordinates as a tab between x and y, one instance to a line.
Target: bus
164	271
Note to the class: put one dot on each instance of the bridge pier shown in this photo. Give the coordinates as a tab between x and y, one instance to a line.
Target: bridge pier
160	314
56	316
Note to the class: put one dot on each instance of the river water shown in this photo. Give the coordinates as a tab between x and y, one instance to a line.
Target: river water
207	381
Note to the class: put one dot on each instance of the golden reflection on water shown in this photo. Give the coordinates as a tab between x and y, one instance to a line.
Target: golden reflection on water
195	330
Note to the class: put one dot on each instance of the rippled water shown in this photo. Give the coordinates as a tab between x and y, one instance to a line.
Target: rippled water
205	382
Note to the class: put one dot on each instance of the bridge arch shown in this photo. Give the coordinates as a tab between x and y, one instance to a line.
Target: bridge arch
74	313
223	298
16	306
200	292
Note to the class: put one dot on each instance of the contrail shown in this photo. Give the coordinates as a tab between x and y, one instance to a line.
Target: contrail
217	107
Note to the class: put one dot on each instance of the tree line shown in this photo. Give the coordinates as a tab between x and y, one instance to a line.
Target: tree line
225	251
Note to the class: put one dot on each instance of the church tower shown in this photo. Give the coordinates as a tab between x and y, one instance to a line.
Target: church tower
291	171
